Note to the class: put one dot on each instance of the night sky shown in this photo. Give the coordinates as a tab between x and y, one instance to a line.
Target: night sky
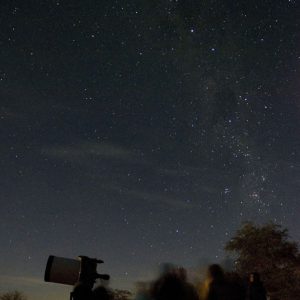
142	132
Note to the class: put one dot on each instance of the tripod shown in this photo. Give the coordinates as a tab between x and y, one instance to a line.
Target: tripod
87	278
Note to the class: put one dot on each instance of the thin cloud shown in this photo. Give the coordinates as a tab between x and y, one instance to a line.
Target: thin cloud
86	151
155	198
169	201
20	280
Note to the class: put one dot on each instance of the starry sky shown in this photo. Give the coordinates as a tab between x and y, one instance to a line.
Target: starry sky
142	132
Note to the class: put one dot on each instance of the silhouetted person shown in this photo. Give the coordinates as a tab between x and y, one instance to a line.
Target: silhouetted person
101	293
238	286
256	290
189	290
173	286
218	287
81	291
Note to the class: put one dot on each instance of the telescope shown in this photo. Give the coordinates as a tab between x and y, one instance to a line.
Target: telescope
80	272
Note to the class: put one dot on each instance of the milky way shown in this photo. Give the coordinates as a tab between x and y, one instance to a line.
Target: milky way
141	133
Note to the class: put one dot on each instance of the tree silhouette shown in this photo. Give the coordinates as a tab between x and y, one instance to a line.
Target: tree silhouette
121	294
16	295
267	249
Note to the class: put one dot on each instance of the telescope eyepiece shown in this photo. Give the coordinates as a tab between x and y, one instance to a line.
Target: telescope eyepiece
103	276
